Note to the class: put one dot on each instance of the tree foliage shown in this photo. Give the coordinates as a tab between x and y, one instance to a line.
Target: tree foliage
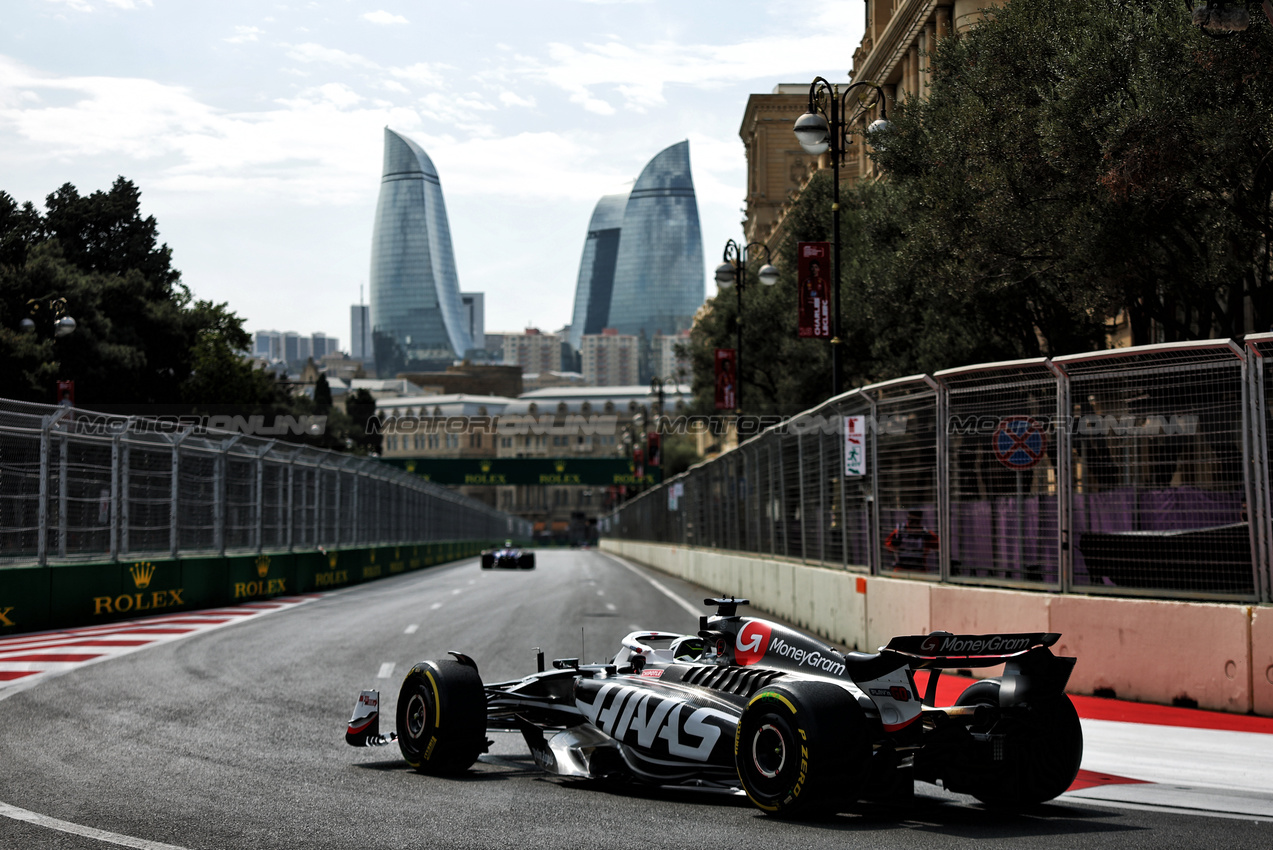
141	340
1086	157
1072	161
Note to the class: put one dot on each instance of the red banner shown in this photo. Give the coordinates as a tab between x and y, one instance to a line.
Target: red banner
813	271
726	379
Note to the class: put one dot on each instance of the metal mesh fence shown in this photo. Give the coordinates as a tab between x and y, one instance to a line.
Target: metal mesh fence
907	472
79	485
1001	472
1139	471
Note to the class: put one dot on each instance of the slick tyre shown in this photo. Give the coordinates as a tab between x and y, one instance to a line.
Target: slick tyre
526	562
488	561
1042	751
442	717
802	750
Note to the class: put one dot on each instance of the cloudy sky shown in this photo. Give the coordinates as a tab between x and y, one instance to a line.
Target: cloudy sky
254	128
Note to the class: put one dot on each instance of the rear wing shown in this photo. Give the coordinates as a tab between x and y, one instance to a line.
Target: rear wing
943	649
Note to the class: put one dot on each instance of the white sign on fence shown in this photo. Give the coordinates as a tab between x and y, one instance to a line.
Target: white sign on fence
854	446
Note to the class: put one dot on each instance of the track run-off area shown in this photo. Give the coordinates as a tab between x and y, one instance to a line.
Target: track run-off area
225	729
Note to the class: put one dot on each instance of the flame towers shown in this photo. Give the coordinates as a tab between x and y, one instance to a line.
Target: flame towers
642	266
416	312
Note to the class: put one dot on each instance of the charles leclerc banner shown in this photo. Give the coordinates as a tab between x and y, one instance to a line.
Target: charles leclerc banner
726	379
813	273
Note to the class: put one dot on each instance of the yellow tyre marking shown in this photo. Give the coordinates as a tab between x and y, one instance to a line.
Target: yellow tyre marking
738	734
437	703
760	804
778	697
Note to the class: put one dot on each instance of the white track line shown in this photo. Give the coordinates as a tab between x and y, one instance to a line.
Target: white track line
115	838
695	610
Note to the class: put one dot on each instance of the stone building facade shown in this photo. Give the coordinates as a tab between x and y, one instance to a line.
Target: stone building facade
893	54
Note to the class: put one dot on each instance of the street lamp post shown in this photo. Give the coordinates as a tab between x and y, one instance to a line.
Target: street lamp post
47	316
825	127
734	272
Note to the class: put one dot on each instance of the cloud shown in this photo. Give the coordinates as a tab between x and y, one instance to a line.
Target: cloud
420	74
245	34
318	54
637	76
319	146
384	18
86	6
509	99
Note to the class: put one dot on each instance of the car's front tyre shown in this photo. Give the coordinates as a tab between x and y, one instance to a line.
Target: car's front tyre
442	717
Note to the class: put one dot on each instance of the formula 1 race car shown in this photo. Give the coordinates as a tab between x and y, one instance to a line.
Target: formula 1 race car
508	557
753	705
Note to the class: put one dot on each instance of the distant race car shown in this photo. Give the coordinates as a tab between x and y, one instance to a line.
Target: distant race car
751	706
508	557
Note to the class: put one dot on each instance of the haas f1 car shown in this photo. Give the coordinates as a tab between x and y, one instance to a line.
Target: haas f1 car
751	705
509	557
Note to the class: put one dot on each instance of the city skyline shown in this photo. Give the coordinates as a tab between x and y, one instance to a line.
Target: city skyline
254	131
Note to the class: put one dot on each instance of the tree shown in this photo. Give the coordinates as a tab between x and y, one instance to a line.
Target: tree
1077	159
322	394
1072	161
140	338
364	433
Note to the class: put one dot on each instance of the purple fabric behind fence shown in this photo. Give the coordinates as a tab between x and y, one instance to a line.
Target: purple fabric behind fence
982	537
1168	509
984	533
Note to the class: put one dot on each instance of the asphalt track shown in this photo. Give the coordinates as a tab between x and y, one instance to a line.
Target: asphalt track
230	735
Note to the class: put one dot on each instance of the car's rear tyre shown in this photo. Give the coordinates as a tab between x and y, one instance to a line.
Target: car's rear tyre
802	749
1043	748
442	717
526	561
488	560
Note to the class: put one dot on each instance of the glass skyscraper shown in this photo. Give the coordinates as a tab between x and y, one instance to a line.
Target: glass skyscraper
658	272
596	269
416	312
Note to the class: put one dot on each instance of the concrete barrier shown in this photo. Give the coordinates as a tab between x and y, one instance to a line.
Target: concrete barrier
1157	651
1262	660
896	607
1217	656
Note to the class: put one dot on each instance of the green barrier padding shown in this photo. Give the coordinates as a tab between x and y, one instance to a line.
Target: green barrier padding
204	582
80	594
333	569
253	577
63	595
24	599
397	559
